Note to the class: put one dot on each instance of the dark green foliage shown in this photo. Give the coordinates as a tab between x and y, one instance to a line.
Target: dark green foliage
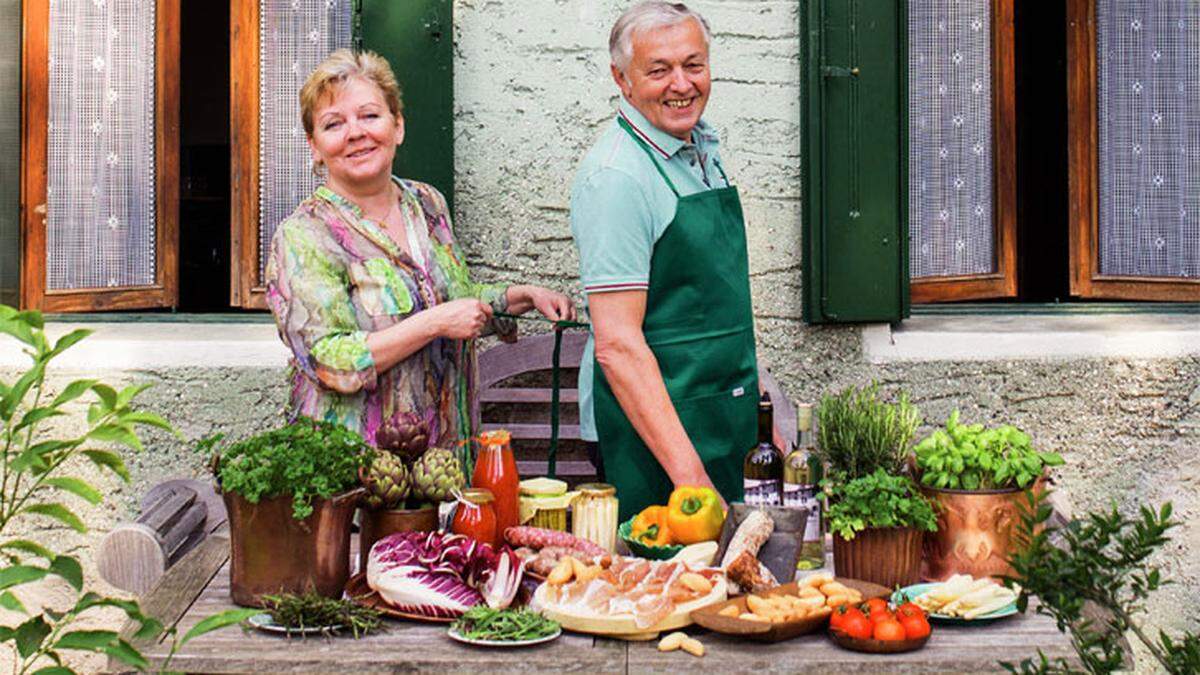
1102	560
859	433
970	457
307	459
877	500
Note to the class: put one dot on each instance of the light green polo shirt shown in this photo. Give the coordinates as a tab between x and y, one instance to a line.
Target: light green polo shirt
620	206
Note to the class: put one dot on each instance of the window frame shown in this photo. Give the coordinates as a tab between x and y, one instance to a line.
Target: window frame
1003	282
1083	147
246	289
35	110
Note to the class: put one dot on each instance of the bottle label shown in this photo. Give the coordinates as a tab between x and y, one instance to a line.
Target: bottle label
797	495
767	492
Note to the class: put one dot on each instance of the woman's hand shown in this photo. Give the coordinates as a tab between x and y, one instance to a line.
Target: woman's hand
460	319
552	304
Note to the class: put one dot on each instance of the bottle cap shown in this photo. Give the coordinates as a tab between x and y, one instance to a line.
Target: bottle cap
478	495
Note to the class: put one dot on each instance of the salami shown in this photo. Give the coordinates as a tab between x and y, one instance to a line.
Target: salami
538	538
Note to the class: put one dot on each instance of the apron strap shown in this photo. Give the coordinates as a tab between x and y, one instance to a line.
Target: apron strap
722	170
645	148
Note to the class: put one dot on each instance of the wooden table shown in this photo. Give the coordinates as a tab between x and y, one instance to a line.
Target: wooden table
198	586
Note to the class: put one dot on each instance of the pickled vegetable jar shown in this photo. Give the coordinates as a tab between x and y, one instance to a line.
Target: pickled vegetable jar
544	503
594	514
475	517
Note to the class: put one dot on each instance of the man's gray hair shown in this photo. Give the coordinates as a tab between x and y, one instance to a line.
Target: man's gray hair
644	16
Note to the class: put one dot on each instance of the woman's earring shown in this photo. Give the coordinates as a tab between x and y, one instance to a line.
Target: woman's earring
318	167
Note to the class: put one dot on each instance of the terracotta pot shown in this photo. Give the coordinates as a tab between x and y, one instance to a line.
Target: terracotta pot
377	524
885	556
272	552
975	532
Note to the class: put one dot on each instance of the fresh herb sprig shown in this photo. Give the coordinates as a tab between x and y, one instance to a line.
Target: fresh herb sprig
877	500
970	457
310	610
504	625
859	432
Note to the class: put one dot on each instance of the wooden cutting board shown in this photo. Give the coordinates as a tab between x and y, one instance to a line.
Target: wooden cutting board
622	625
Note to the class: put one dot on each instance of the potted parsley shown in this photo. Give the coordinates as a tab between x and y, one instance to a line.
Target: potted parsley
290	494
979	477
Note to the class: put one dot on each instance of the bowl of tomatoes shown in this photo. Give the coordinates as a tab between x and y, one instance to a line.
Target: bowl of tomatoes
878	627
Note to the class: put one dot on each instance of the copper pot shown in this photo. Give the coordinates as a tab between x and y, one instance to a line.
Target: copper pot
975	532
885	556
272	552
377	524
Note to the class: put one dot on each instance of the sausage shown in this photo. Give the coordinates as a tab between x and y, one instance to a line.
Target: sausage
536	537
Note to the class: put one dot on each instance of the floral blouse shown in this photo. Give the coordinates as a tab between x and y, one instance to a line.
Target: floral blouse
335	276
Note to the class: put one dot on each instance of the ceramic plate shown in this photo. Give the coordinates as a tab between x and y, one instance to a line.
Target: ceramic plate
266	623
920	589
455	635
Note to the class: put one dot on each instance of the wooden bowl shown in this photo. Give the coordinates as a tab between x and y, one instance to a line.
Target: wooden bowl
710	616
877	646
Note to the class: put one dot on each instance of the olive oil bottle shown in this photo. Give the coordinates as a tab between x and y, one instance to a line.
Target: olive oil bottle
762	471
801	488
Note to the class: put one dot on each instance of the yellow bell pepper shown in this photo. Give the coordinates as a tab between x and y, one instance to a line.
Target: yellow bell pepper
694	514
650	527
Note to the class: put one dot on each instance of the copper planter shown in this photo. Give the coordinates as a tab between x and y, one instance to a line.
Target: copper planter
975	532
376	525
885	556
272	552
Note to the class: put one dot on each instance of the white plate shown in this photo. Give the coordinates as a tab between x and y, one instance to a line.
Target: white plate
455	635
265	622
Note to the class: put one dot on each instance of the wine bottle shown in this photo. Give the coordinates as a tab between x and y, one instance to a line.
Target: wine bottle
801	478
762	470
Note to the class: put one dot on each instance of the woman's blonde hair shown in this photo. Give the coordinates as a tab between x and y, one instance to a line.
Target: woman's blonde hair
340	67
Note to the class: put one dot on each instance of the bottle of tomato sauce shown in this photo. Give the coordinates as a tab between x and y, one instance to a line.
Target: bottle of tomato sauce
496	470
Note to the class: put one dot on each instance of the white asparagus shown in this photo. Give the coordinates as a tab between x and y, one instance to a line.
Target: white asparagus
998	600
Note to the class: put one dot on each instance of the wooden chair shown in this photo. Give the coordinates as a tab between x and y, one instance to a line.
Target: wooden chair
514	394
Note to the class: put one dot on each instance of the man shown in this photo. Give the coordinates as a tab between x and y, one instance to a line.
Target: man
671	397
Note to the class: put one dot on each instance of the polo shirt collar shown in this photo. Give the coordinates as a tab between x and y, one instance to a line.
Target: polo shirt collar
660	141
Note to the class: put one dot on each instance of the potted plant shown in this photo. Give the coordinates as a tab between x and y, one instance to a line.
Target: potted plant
875	511
878	522
290	494
978	477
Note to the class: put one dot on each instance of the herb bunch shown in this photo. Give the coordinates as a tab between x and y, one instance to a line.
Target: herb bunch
1100	560
859	433
504	625
970	457
311	610
877	500
307	459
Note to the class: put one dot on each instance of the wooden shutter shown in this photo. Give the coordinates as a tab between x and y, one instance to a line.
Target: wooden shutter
951	198
154	228
10	160
1150	203
855	217
416	37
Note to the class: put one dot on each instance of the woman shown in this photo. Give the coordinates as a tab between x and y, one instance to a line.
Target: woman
366	283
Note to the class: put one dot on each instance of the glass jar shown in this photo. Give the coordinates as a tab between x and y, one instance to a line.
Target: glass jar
594	514
547	500
475	516
496	470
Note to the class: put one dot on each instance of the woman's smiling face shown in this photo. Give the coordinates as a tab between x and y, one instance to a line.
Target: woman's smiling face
355	134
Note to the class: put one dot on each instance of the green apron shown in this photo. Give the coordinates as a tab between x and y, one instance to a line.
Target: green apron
700	326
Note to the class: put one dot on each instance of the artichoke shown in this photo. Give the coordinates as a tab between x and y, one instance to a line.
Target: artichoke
387	481
405	434
437	475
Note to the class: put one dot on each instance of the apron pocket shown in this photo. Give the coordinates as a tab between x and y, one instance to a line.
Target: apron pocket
723	427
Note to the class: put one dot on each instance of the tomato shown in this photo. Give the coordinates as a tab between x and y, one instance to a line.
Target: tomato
915	626
910	609
838	616
876	607
888	630
856	624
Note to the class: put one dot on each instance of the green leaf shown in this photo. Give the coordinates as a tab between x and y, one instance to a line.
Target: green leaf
12	603
88	640
7	633
75	486
216	621
67	341
32	317
30	635
90	600
149	419
116	434
126	653
73	391
68	568
21	330
15	575
13	398
128	393
29	547
150	628
108	460
36	415
54	670
59	513
108	396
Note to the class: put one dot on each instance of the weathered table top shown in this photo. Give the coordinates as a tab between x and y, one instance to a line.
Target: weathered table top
198	586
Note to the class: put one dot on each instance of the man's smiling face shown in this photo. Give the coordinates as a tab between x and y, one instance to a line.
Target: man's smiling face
668	80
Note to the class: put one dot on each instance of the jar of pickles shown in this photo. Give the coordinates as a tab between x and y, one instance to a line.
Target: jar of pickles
594	514
544	503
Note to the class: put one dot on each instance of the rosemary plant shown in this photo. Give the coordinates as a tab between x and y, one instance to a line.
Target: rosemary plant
859	433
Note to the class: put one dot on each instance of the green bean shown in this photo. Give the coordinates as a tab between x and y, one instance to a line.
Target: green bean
504	625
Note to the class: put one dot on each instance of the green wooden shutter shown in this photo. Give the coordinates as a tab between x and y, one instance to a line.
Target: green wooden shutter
10	142
855	156
416	37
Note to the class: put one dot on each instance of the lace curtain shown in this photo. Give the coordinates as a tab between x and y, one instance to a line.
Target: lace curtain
296	35
1148	101
100	168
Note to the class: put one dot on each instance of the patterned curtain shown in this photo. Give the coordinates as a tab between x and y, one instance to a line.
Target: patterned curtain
100	175
951	215
1148	102
296	35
